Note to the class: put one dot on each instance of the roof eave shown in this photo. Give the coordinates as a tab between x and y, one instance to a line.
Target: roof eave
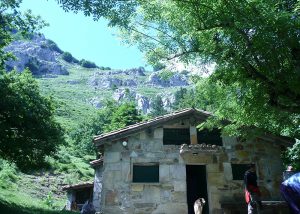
122	133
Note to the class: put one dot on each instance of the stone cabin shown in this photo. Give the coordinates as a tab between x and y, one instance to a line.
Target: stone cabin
163	165
78	194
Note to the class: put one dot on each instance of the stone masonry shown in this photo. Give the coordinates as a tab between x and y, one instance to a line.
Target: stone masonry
120	195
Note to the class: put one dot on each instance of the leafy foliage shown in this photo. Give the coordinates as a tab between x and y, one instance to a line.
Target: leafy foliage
165	74
113	116
33	65
53	46
87	64
8	173
69	58
157	107
292	156
104	68
254	45
49	200
28	131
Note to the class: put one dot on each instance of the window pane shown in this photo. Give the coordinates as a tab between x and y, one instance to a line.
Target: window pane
212	137
176	136
238	171
145	174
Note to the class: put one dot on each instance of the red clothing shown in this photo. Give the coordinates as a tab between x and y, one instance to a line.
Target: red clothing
252	189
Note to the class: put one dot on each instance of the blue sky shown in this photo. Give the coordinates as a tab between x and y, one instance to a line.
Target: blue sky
83	37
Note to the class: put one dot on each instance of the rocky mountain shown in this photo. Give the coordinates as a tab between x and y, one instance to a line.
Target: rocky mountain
38	54
45	59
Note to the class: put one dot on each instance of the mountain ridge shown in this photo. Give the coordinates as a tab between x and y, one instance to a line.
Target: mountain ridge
46	60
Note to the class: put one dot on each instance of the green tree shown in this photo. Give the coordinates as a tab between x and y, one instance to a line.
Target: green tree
179	98
67	57
126	114
87	64
28	130
113	116
253	43
157	107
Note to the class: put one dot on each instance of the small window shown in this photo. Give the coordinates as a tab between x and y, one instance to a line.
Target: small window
145	174
176	136
212	137
238	171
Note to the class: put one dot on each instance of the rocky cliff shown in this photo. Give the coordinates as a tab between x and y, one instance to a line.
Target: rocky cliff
38	54
44	58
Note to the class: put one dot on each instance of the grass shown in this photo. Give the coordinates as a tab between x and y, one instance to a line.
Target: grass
28	193
73	99
13	208
12	202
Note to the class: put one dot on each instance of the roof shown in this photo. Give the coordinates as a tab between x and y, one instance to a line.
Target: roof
97	162
128	130
158	121
78	186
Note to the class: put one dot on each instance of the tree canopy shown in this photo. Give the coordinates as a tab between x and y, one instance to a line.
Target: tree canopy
254	45
28	130
113	116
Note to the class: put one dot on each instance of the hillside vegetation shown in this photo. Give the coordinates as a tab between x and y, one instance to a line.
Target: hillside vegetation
88	100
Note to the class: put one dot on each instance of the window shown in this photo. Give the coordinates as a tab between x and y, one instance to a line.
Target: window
238	171
145	173
210	137
176	136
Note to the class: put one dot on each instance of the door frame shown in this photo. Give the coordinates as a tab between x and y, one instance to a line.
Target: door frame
207	185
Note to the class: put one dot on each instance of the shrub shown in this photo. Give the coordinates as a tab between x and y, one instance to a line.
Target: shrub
8	173
67	57
158	67
49	201
87	64
292	156
53	46
29	131
165	75
33	65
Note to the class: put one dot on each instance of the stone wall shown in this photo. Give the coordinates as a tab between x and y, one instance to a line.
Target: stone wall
120	195
97	191
70	198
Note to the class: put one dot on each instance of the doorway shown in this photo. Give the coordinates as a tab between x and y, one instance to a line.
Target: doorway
196	186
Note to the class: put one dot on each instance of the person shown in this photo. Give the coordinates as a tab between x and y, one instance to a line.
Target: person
88	208
252	192
288	172
74	206
290	191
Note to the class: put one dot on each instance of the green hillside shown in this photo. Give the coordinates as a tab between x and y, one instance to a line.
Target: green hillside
40	190
72	92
